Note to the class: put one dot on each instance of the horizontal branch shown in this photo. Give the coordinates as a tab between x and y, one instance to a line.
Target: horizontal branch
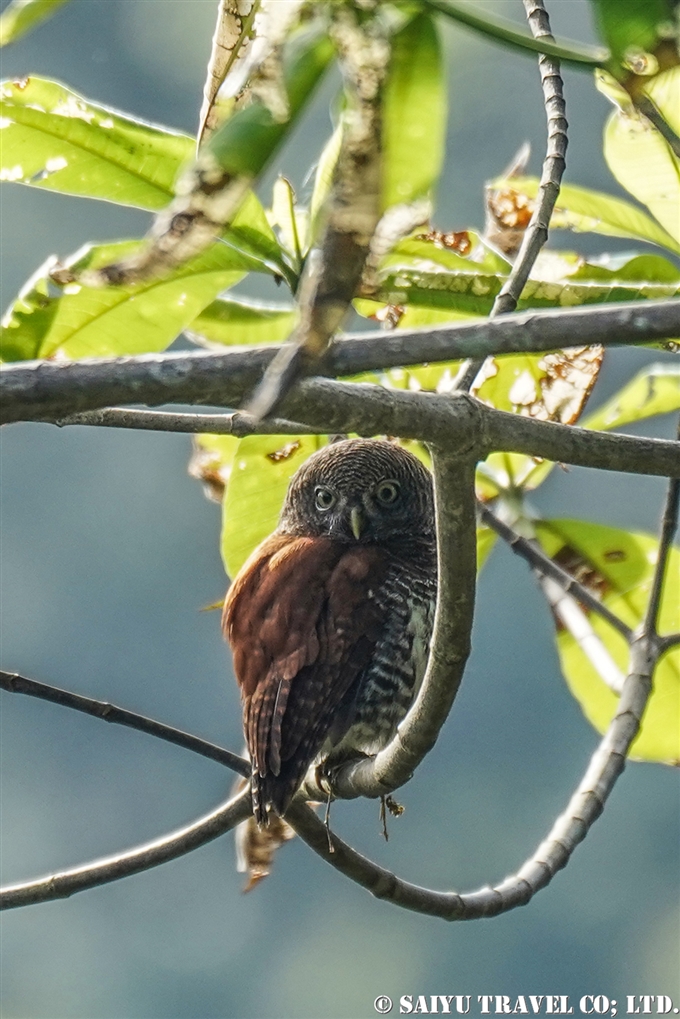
13	683
51	390
119	865
237	424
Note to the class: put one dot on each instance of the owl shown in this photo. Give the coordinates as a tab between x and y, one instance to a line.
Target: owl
330	619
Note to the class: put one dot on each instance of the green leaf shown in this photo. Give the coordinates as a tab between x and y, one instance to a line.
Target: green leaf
632	27
640	269
245	143
92	322
242	321
22	16
654	390
623	564
323	180
261	471
588	211
54	138
642	160
290	220
414	113
466	251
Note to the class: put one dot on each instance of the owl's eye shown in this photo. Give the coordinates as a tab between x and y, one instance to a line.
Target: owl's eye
324	498
387	492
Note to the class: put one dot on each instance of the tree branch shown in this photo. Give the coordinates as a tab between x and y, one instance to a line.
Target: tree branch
237	424
50	390
669	525
543	564
112	868
554	163
454	481
552	854
14	683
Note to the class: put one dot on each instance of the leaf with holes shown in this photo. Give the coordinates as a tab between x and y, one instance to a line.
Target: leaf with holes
107	322
586	211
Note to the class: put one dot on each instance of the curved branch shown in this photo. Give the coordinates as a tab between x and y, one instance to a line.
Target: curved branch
119	865
454	483
50	390
554	163
14	683
552	854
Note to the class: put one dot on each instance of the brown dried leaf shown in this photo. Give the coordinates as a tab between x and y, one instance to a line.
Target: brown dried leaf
564	387
508	212
390	316
284	453
459	242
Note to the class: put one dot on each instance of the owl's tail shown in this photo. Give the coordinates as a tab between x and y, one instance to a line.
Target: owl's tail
256	844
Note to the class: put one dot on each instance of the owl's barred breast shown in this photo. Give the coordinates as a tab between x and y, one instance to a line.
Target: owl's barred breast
390	682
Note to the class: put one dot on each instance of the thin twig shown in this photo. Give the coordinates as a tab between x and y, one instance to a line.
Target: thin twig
668	641
49	390
549	188
151	854
645	105
14	683
668	527
237	424
544	565
454	479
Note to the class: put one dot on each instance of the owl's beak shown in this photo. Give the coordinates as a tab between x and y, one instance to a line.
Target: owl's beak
357	521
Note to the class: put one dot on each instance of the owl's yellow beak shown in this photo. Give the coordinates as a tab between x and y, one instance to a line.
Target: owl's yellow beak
357	521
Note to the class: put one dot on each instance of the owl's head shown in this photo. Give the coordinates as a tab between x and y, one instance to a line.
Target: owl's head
360	490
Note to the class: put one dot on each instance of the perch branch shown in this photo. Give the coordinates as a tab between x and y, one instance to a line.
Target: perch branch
549	188
669	524
454	481
119	865
552	854
14	683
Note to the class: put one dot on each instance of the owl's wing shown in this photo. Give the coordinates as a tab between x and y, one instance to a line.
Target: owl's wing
303	620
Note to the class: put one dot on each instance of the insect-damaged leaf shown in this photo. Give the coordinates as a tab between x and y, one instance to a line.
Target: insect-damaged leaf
588	211
618	566
84	322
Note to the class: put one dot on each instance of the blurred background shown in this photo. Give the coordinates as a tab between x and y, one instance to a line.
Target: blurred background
109	551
